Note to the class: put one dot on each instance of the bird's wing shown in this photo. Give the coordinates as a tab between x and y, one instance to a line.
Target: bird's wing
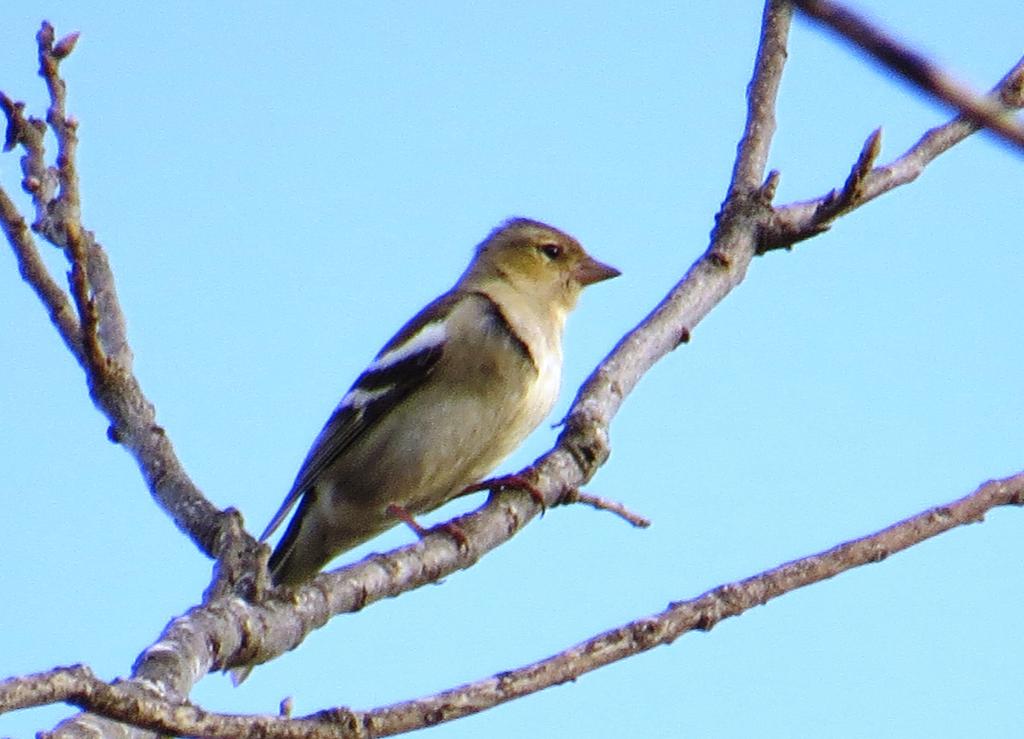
400	368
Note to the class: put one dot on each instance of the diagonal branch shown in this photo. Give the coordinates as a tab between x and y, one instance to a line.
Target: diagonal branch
88	316
126	703
915	67
698	614
798	221
612	506
762	92
33	271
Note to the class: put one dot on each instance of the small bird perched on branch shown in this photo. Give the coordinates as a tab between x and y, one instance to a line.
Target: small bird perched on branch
451	395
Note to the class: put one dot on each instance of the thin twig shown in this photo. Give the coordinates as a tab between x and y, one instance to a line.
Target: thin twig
916	68
799	221
64	128
33	271
762	93
606	504
842	201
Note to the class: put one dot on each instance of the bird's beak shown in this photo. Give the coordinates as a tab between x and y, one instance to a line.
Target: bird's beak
590	271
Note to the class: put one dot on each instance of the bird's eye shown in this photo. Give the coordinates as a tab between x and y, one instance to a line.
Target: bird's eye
551	251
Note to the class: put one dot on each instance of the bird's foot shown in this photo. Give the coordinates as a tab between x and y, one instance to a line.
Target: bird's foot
449	528
505	482
397	511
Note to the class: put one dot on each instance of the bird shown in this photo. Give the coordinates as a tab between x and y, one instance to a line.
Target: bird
453	393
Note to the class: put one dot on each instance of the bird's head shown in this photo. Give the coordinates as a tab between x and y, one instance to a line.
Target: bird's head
538	261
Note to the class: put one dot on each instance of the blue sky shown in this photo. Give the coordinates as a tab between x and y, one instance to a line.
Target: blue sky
278	188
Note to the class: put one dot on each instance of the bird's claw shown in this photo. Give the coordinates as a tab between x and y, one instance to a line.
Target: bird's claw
452	529
504	482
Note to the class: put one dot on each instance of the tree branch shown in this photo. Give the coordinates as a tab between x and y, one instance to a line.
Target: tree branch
612	506
699	614
125	703
762	92
34	272
90	320
915	67
796	222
